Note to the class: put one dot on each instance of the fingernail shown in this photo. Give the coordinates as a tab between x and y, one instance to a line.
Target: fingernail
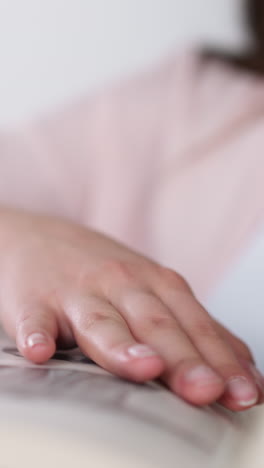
141	351
202	375
36	339
243	391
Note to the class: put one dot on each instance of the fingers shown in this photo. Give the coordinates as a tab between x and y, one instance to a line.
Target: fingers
241	390
245	357
240	348
141	333
104	336
36	333
187	373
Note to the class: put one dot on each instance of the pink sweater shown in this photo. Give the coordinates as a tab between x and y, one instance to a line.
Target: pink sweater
170	162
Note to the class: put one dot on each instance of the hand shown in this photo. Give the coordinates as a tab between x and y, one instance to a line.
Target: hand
62	284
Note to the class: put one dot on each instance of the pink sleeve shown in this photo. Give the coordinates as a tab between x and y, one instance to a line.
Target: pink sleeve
41	164
78	161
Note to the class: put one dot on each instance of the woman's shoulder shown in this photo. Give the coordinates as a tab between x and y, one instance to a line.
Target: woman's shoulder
188	85
221	86
190	67
210	93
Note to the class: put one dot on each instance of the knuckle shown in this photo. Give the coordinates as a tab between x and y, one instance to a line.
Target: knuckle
28	313
230	368
23	322
244	349
97	317
160	320
174	280
108	277
119	270
204	329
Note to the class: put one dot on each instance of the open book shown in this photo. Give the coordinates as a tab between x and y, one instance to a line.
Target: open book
70	413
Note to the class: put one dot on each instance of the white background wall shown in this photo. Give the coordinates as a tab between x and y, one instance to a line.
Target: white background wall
51	50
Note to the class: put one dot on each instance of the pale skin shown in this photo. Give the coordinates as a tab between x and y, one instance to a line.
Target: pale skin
65	285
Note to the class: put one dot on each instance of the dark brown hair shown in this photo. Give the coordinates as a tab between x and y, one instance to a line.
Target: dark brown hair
255	19
251	59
